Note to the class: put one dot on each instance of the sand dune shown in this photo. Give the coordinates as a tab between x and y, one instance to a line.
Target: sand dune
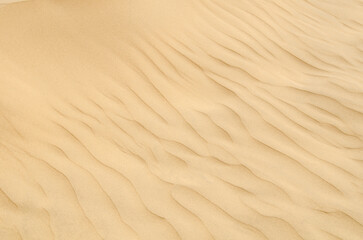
185	120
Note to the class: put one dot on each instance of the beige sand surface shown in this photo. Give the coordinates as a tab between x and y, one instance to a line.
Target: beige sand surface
181	120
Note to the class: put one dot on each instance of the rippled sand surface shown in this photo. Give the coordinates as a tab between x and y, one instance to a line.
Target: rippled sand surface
181	120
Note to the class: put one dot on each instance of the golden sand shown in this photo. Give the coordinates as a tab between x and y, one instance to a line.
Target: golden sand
181	120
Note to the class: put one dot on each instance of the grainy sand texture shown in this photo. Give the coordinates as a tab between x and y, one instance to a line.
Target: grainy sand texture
181	120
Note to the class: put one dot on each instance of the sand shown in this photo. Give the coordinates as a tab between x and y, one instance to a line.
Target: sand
181	120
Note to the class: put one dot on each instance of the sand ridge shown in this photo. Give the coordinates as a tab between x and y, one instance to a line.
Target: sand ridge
192	120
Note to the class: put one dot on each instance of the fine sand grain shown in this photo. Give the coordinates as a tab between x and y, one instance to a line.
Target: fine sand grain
181	120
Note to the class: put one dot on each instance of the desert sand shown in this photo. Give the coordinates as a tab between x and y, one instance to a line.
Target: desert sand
181	120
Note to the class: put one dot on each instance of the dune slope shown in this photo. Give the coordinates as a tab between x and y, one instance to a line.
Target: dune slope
181	120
